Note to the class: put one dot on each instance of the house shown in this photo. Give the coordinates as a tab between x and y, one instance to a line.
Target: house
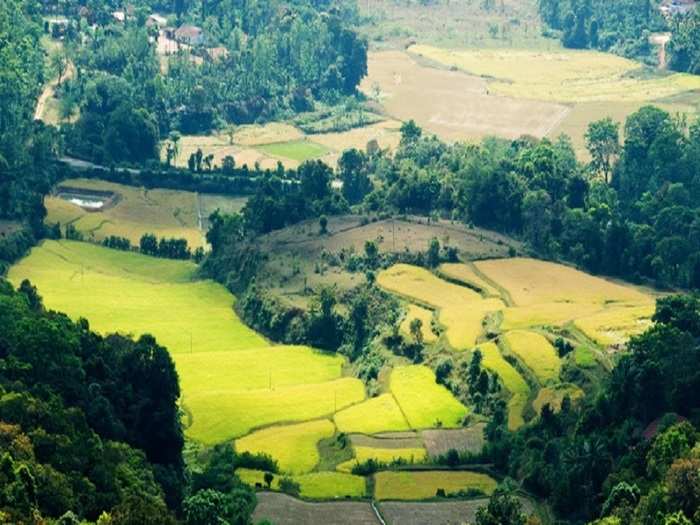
191	35
119	16
155	20
671	8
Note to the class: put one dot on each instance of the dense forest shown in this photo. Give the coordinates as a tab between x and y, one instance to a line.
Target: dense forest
624	28
26	146
254	61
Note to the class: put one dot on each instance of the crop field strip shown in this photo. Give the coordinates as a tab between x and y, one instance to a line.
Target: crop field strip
282	509
377	414
382	455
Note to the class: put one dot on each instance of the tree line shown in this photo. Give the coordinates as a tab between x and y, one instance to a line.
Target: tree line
624	28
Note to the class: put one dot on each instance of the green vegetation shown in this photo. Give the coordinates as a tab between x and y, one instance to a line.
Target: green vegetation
585	357
299	150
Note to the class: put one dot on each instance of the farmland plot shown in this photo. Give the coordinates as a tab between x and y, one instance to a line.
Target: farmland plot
536	352
224	396
378	414
416	485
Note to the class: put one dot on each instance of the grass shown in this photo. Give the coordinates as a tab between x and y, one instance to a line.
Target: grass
232	380
562	75
462	310
298	150
425	403
426	317
316	485
378	414
293	446
584	356
166	213
536	352
424	485
383	455
512	380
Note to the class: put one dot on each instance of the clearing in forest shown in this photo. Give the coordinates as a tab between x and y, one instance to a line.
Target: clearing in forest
297	150
425	403
536	352
224	397
130	212
415	485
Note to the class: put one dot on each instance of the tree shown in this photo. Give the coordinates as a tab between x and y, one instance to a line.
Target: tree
353	166
416	329
603	143
269	478
58	62
433	255
323	225
503	509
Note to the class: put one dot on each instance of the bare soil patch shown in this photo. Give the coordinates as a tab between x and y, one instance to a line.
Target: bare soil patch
451	104
440	441
436	513
391	440
281	509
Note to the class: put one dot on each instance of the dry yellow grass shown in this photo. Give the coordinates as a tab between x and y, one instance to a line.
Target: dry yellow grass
531	281
536	352
425	316
257	135
465	273
461	310
616	324
293	446
512	381
565	76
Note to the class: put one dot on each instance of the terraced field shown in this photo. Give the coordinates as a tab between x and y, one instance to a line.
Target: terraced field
293	446
378	414
536	352
512	380
383	455
316	485
425	403
461	310
227	391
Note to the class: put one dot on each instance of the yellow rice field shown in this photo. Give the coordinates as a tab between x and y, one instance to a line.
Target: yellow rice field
378	414
425	484
553	397
512	381
564	76
465	273
536	352
425	403
293	446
